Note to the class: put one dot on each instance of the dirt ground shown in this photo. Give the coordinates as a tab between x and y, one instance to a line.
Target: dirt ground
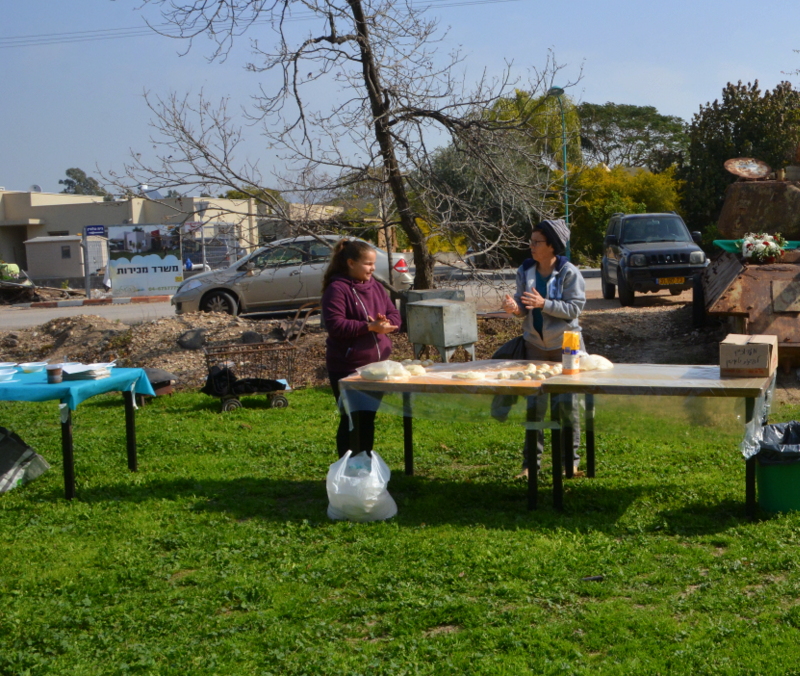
658	330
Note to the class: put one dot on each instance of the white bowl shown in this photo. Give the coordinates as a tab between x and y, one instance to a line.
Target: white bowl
7	374
4	365
33	367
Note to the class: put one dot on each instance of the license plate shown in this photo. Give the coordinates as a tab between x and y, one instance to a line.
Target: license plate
669	281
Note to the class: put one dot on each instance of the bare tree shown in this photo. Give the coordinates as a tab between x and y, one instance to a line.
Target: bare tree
397	101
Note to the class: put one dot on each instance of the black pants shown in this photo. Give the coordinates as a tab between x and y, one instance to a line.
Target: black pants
363	423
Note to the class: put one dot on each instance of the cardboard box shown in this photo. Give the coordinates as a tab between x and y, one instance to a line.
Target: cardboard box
743	356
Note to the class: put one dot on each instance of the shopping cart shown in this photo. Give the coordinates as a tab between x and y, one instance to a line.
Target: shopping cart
235	370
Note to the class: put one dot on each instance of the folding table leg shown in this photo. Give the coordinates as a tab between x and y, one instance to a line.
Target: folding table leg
67	453
567	434
589	424
750	466
408	435
130	430
564	437
355	433
531	443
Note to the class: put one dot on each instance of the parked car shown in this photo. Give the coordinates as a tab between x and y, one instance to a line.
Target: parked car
649	252
281	276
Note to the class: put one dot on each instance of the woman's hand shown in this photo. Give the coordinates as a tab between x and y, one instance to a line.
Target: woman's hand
510	305
532	299
381	324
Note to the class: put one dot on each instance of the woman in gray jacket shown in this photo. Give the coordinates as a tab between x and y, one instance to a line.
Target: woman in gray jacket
550	296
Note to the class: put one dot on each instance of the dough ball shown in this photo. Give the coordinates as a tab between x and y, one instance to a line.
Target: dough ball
384	370
468	375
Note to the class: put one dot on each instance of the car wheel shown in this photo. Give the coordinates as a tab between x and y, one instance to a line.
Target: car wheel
698	302
675	292
609	289
219	301
625	291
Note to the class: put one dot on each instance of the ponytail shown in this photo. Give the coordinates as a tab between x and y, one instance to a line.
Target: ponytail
343	251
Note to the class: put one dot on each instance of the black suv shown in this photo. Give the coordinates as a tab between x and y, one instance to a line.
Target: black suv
649	252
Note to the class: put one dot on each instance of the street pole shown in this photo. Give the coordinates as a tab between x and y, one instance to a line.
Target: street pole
558	92
87	272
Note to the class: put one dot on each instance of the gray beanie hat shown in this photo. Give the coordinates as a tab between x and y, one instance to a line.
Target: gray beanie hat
557	233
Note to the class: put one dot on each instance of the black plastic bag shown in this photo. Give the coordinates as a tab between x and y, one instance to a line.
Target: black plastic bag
780	444
254	385
220	382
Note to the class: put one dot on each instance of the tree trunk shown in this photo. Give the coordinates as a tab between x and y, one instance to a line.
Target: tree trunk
423	260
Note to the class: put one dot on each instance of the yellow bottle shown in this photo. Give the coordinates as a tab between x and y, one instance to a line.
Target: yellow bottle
570	352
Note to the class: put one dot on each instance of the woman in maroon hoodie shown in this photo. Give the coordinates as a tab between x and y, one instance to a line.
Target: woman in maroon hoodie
358	314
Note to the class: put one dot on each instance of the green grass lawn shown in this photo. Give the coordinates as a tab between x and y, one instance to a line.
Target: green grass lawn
217	556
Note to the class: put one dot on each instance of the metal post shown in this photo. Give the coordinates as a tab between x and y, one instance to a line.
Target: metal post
87	274
566	184
558	92
590	435
130	430
567	436
531	443
408	438
750	465
67	453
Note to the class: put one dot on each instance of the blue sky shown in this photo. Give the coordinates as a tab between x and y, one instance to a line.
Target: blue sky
80	102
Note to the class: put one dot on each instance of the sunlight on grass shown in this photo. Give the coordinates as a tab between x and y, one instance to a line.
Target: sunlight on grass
217	556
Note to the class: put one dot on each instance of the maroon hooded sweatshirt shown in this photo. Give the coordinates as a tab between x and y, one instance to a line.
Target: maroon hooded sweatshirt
346	304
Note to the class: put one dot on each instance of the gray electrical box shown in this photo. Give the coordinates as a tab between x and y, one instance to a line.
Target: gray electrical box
445	324
416	295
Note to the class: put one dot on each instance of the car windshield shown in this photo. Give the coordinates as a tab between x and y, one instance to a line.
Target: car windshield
654	229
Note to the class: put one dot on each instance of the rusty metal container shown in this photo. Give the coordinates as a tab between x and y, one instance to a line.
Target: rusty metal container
760	299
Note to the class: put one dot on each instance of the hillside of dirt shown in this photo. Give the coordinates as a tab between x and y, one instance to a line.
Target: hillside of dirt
660	334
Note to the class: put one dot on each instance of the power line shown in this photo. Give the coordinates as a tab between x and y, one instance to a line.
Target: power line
43	39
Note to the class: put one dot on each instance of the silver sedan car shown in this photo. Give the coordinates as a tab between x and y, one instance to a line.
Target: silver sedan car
281	276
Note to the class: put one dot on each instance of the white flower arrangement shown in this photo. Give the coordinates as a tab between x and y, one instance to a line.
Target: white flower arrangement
762	248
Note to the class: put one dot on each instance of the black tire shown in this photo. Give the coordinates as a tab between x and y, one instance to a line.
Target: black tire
698	302
278	401
609	289
625	291
231	405
219	301
675	292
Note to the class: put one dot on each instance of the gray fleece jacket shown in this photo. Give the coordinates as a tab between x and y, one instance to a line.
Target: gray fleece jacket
565	298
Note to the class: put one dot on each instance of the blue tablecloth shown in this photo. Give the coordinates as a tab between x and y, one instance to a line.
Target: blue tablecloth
34	387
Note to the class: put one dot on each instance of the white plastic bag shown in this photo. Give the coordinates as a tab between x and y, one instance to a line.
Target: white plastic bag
595	362
357	488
